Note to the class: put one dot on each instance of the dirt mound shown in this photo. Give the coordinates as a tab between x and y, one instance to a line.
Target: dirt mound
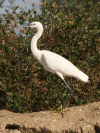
80	119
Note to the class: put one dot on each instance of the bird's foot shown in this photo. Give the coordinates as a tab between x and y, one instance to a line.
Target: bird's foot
60	110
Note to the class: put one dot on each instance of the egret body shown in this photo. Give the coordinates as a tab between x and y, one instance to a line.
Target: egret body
53	62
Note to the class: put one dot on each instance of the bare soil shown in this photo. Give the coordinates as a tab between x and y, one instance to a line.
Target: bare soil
79	119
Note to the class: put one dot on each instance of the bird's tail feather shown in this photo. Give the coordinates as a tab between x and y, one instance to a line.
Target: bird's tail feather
82	76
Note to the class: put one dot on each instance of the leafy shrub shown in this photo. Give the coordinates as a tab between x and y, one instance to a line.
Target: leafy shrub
71	32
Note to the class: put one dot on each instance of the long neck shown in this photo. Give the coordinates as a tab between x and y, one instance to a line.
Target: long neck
35	51
39	32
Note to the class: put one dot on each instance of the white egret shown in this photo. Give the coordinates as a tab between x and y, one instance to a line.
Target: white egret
55	63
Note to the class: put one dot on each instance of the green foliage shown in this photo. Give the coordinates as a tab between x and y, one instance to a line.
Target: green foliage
73	33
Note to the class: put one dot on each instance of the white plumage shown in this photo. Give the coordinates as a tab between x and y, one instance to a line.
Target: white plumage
54	62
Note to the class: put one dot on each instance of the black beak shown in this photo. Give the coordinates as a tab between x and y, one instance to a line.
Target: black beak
29	25
26	25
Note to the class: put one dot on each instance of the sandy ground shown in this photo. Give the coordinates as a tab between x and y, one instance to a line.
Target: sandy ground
79	119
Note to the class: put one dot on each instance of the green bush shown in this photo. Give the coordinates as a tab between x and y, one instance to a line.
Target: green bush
71	32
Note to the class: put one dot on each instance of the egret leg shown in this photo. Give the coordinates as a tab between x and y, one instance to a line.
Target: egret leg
61	109
67	95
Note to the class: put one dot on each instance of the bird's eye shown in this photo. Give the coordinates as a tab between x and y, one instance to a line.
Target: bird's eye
33	24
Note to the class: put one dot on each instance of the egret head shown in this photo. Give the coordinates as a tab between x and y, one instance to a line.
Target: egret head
35	25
